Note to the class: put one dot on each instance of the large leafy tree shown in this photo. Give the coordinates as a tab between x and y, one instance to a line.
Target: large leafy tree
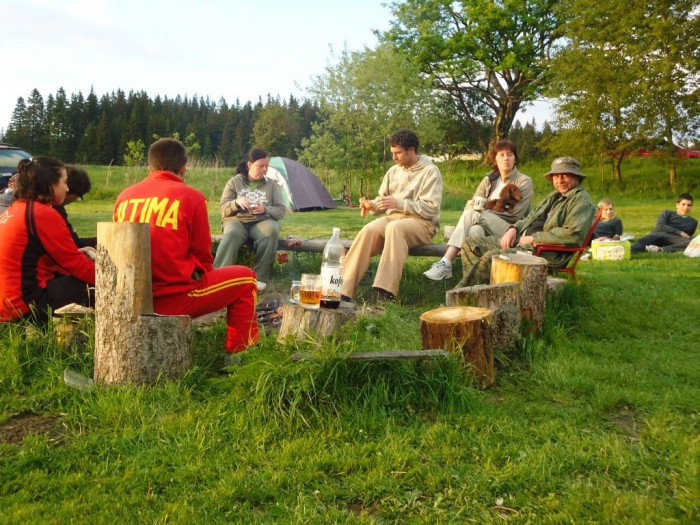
365	97
629	76
488	57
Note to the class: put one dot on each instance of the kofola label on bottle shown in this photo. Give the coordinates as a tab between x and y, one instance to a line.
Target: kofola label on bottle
332	279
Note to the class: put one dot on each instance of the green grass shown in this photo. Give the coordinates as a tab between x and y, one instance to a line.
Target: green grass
595	420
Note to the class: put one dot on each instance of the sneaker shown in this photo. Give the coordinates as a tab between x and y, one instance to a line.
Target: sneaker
439	271
261	286
652	248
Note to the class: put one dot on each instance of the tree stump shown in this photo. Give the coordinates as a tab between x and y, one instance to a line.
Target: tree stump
531	272
132	344
503	300
302	322
463	329
555	285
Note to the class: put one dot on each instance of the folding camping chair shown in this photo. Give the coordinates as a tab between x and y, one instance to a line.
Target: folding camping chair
578	251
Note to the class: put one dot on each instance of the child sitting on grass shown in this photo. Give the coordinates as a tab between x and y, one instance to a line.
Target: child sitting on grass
610	225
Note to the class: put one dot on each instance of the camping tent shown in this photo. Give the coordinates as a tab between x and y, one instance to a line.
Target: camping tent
301	189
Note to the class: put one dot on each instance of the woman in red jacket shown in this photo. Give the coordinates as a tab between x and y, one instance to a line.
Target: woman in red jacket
42	268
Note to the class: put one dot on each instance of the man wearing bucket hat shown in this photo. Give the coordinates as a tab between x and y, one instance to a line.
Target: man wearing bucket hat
564	217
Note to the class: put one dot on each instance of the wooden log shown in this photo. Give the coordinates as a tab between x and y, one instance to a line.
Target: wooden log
302	322
531	272
555	285
132	344
463	329
381	355
503	300
299	244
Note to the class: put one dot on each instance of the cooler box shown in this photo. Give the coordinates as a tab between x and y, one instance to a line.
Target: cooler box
610	250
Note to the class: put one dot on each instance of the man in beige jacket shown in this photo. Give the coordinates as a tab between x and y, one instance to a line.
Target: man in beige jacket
409	202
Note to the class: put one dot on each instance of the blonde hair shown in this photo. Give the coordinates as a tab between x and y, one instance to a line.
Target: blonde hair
605	202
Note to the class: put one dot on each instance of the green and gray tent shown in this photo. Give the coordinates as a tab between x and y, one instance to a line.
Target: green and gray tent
301	188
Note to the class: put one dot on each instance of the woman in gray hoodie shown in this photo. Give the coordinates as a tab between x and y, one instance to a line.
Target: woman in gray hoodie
251	206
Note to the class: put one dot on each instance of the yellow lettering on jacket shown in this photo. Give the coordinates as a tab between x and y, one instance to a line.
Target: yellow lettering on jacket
158	207
170	218
164	212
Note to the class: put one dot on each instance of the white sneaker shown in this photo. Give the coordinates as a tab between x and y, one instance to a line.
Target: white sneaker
261	286
439	271
653	248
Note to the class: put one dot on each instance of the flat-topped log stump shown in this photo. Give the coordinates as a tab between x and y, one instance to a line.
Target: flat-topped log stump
302	322
463	329
531	272
132	344
503	300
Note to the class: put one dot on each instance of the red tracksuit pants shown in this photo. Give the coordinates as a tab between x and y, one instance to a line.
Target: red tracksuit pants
233	287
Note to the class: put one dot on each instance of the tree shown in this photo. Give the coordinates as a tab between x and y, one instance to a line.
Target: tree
488	57
35	118
18	132
58	124
277	129
630	75
363	99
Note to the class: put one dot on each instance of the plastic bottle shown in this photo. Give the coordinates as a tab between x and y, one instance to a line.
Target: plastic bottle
332	271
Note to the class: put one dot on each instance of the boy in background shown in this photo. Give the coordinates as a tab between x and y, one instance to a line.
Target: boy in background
674	229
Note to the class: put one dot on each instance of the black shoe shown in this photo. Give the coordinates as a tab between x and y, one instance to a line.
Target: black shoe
384	296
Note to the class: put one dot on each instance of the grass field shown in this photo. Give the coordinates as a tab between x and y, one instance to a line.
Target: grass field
595	420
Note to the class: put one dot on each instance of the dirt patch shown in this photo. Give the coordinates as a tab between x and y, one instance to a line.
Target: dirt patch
628	421
18	428
358	509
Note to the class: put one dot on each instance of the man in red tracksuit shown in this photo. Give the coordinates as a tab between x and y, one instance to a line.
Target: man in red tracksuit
184	280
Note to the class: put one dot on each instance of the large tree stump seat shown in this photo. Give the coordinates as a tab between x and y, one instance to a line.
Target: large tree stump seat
132	344
466	330
531	272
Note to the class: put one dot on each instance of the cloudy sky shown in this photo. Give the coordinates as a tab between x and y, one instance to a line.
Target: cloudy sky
235	49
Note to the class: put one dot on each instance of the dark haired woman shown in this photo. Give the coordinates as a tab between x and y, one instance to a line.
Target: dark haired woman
251	206
478	222
37	246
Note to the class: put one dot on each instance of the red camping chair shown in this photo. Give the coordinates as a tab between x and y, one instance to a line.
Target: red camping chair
578	251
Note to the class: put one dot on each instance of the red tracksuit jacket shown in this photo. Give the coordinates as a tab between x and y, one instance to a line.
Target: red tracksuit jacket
35	243
180	233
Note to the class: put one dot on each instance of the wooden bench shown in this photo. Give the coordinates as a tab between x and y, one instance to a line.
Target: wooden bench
299	244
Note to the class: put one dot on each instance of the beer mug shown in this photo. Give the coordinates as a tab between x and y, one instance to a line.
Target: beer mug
310	294
295	291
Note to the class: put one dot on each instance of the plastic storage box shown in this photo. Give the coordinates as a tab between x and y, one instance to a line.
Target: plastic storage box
610	250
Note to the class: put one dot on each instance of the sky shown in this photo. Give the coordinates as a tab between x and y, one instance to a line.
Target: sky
235	49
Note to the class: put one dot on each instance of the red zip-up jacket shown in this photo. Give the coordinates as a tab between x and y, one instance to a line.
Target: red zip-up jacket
35	243
180	233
